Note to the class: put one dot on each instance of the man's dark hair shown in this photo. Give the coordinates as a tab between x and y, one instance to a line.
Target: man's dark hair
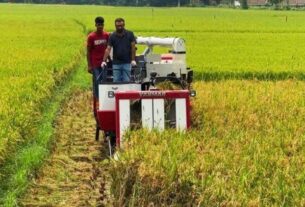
119	20
99	20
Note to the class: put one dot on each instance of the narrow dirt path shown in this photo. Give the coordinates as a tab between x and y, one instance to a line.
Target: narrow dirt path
72	176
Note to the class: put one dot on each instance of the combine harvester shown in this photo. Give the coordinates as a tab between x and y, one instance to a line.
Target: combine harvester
144	102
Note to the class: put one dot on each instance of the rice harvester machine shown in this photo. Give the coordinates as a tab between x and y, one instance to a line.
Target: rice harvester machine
157	96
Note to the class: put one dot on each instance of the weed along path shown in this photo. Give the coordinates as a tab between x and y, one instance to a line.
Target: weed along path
72	176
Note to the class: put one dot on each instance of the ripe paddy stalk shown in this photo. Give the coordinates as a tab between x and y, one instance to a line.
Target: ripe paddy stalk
246	148
31	67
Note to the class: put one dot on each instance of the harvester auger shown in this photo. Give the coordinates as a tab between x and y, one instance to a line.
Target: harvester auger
146	101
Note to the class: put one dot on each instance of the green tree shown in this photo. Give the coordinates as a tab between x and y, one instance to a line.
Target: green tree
275	2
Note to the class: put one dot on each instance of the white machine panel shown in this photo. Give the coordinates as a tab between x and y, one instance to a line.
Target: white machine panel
158	114
124	107
164	68
106	94
147	111
181	120
152	113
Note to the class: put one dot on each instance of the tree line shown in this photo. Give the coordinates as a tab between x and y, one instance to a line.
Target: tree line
156	3
110	2
129	2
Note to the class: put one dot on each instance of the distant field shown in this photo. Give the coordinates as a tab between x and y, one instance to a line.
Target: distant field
221	43
224	43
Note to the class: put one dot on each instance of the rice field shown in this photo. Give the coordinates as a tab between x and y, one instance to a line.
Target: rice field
246	149
246	145
36	54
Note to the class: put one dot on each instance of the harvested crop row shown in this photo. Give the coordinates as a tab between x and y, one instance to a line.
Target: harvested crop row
247	149
72	176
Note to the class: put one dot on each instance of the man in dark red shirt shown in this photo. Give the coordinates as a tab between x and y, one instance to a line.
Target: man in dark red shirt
96	45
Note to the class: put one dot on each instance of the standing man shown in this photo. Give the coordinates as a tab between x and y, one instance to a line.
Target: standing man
123	43
96	45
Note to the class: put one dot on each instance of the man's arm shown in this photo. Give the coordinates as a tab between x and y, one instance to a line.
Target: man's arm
89	49
89	59
133	51
107	52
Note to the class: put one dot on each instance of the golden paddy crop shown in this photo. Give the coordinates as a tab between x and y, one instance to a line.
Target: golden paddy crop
246	148
36	54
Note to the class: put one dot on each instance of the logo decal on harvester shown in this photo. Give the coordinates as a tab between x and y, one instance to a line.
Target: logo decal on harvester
110	94
152	93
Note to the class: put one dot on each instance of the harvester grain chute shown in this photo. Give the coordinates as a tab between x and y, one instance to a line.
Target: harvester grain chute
157	97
